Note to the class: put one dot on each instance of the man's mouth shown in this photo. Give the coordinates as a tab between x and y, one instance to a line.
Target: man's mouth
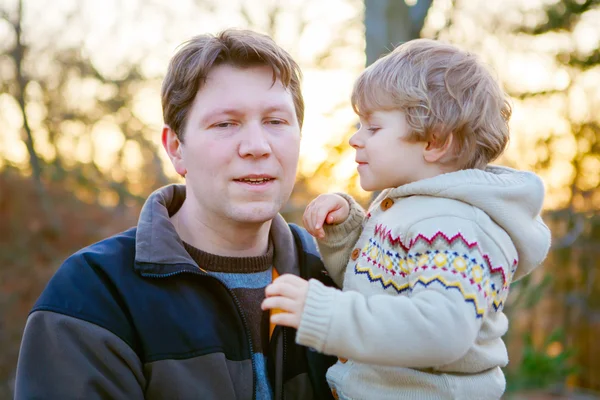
255	180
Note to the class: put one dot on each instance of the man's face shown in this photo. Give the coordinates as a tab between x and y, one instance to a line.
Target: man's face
241	145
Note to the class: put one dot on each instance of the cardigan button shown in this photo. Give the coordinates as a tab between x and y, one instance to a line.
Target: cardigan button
355	254
343	360
386	204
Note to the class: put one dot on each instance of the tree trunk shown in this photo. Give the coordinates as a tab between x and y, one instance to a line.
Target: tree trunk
389	23
51	221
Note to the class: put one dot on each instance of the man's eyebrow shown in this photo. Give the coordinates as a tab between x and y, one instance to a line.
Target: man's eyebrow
278	107
236	113
220	112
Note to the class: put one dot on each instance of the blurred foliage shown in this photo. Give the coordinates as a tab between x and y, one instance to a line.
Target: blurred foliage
66	196
580	96
541	368
570	288
64	104
555	311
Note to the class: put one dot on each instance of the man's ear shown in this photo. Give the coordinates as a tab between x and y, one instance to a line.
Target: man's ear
174	148
435	151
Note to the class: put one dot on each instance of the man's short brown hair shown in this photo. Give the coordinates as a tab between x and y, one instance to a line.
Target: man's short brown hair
442	90
195	59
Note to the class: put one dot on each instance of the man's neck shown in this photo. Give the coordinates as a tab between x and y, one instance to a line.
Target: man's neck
220	236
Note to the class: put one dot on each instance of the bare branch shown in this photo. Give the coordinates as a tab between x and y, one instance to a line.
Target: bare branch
541	93
4	15
571	236
53	225
246	15
449	20
272	23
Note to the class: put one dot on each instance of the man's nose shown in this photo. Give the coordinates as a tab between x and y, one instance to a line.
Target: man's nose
255	141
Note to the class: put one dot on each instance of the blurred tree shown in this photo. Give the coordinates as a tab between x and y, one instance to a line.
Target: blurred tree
389	23
17	52
570	21
70	108
573	297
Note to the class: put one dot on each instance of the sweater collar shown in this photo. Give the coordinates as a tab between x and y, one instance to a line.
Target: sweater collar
160	251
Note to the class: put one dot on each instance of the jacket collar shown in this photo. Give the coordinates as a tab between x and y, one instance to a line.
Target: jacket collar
159	249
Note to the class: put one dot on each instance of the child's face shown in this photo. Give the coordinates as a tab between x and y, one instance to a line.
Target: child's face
384	156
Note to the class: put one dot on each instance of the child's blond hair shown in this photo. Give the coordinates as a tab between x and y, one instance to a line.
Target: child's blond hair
442	90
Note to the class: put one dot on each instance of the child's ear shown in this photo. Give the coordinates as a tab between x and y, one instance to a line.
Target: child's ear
435	151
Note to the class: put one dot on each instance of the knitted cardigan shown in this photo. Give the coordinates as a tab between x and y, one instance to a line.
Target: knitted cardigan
425	275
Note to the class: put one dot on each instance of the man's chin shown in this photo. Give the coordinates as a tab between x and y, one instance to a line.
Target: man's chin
253	213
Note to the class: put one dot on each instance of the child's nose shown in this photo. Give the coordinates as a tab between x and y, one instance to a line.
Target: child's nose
355	140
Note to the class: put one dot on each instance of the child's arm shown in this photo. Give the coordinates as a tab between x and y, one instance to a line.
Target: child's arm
336	221
436	323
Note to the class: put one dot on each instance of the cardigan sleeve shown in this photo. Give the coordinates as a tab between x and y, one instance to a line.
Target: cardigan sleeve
433	319
339	240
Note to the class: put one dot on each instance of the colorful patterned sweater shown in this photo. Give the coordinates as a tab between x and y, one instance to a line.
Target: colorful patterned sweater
425	275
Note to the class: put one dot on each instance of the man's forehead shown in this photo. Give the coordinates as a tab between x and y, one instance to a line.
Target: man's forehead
243	106
226	74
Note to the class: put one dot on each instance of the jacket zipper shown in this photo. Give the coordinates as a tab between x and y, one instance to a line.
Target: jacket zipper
283	364
240	312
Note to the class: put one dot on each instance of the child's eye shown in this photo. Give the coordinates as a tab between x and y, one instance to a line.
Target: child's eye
373	129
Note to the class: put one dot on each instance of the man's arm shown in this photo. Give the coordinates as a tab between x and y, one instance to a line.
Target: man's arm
63	357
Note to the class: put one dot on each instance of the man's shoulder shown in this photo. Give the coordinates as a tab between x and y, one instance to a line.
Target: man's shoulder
114	252
89	284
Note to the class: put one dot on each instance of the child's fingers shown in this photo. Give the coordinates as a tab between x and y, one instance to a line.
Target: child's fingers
286	319
320	216
307	219
280	303
321	233
290	278
325	209
336	216
281	288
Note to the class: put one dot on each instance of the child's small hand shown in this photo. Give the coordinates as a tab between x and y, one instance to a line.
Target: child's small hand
287	295
325	209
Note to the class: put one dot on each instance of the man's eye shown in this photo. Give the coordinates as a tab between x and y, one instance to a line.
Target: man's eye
223	125
276	122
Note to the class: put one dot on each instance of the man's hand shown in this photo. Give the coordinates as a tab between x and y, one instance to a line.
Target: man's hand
325	209
285	298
